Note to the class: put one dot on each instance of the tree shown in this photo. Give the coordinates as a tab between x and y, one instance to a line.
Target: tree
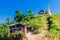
19	16
9	21
30	13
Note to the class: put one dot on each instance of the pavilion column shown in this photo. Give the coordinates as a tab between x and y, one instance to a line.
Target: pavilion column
25	29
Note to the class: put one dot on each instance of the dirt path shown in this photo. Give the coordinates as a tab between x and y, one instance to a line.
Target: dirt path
36	36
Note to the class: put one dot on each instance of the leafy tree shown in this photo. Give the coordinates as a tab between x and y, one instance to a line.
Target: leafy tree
31	14
19	16
9	21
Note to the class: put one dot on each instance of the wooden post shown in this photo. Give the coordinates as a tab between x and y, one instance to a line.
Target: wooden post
25	29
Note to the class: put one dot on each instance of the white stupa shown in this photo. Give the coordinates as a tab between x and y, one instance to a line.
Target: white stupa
48	11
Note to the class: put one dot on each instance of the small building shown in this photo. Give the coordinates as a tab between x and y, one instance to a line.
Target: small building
41	12
17	27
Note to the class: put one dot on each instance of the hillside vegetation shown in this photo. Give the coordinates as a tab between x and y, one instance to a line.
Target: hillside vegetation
39	22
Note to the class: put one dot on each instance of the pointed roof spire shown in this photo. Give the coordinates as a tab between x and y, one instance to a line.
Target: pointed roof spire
48	10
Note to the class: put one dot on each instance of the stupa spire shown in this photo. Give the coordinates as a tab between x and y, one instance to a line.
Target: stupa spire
48	10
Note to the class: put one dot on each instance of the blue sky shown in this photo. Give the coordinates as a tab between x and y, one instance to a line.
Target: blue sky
8	7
